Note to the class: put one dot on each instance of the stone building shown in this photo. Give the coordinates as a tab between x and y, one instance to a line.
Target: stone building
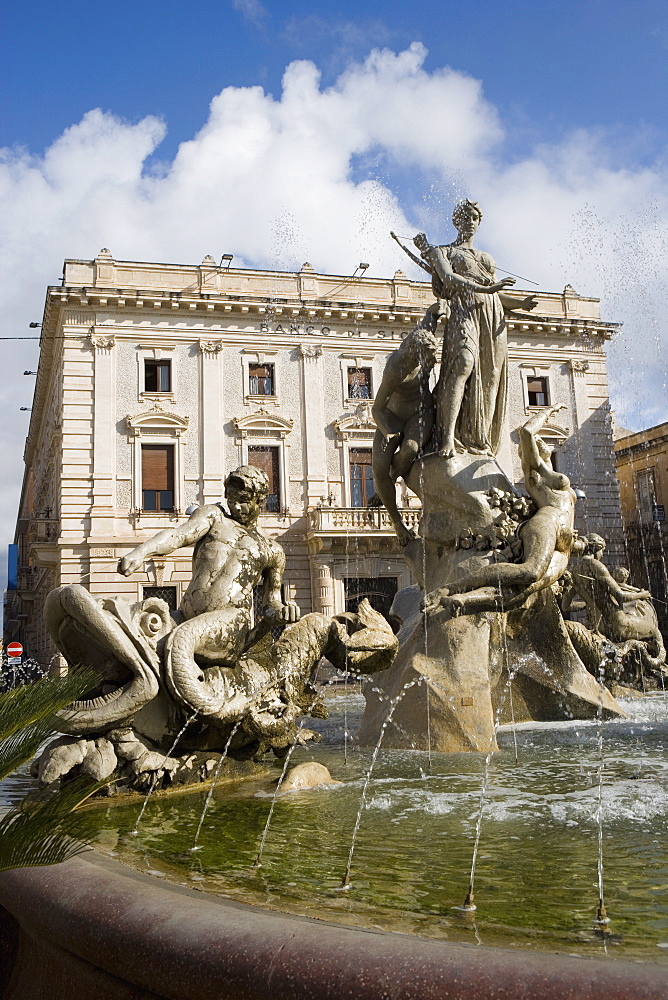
155	380
642	471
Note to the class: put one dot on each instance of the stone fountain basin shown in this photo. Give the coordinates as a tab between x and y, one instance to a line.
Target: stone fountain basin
93	929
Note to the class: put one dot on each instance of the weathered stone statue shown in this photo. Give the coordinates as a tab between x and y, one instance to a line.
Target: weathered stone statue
548	537
232	556
472	387
404	414
486	558
176	690
623	634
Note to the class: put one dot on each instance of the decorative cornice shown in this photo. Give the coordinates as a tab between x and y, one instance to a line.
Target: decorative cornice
156	419
264	422
359	422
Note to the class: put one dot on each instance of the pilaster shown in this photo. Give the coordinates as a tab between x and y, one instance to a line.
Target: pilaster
211	420
104	437
313	423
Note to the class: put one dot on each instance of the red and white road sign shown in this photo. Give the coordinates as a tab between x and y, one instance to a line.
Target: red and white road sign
14	649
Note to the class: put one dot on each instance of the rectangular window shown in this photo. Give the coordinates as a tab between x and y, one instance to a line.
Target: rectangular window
361	477
261	380
157	376
266	458
537	390
359	383
167	594
157	477
646	496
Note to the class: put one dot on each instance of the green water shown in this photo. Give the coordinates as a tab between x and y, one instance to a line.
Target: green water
536	881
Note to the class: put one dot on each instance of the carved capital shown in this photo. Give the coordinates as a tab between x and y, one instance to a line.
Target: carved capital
210	347
310	350
579	366
99	343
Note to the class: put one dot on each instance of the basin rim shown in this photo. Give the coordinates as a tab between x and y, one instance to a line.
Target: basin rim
179	943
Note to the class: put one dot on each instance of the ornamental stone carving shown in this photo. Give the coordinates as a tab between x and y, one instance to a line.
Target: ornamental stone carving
99	343
210	347
310	350
158	671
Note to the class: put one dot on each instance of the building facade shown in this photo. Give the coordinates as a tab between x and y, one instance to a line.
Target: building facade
155	380
642	470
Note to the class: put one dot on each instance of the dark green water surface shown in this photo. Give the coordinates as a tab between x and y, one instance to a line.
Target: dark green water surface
536	882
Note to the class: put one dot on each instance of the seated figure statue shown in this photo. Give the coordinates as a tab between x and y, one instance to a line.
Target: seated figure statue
548	538
232	555
404	414
201	674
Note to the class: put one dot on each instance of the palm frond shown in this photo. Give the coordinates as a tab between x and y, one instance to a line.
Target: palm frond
18	748
43	829
30	703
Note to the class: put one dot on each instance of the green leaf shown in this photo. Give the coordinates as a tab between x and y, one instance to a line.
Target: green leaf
21	746
42	830
30	703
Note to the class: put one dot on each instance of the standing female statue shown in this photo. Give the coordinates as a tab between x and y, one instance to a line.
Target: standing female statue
472	388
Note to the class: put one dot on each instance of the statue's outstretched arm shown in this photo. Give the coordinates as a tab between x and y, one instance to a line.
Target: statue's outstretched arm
619	595
528	433
168	540
413	257
510	303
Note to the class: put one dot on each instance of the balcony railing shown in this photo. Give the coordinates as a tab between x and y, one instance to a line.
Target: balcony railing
44	529
358	520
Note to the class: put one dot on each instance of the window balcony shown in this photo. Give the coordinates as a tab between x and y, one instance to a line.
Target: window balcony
44	529
43	539
344	521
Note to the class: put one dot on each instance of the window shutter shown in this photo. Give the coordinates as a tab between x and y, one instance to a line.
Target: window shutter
266	458
157	467
157	477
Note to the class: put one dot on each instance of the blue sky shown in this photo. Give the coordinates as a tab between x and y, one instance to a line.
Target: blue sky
296	132
549	67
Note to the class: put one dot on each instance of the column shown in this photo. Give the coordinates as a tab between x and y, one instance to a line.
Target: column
324	588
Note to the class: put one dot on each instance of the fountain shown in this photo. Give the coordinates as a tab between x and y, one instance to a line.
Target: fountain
487	727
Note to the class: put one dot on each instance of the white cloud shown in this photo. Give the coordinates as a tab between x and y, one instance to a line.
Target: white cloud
272	180
252	10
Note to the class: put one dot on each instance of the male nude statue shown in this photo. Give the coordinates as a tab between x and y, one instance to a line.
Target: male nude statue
548	538
404	414
232	555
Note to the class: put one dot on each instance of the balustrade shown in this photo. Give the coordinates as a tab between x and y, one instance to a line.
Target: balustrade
342	520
